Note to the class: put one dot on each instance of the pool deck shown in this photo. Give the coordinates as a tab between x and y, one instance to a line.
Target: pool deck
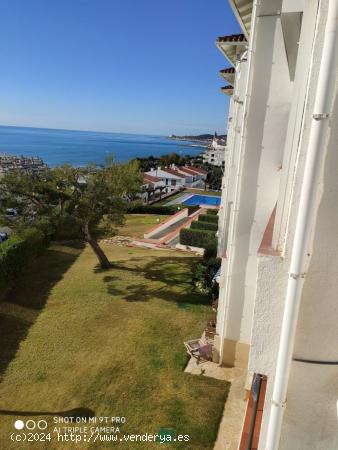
180	199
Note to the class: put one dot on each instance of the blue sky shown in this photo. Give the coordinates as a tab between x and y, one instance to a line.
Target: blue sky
146	66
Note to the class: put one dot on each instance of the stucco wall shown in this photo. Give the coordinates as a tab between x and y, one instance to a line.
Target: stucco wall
310	420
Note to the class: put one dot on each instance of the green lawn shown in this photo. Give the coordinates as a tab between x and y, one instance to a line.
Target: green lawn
74	336
137	224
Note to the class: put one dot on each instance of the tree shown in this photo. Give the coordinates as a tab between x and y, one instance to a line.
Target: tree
214	177
85	195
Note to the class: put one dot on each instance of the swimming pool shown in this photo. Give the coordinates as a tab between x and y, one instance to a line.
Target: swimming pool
202	200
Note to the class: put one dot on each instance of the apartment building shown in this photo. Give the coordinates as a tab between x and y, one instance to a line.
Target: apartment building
277	311
215	154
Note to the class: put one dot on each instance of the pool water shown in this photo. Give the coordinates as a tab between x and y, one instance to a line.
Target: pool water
202	200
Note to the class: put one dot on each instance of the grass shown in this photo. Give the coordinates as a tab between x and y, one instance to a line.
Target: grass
74	336
137	224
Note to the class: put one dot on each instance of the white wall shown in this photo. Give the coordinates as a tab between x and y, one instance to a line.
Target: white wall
310	419
262	154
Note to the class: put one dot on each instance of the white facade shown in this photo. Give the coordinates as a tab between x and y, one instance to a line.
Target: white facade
171	181
215	156
269	136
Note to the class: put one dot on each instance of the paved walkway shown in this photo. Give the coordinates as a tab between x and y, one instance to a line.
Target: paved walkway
161	234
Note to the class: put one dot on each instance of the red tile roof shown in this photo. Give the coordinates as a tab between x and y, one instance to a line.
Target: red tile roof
228	70
173	172
187	170
199	170
232	38
150	178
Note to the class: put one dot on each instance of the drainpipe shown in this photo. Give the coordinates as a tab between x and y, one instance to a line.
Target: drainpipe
308	206
233	220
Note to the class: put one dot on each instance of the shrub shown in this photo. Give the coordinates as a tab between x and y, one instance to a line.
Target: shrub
153	209
204	226
204	274
212	212
17	252
210	250
159	210
208	218
67	228
197	238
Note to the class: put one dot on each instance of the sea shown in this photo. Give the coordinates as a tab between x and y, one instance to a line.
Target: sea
79	148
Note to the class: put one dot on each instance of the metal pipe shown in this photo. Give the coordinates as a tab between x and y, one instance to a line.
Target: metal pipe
306	217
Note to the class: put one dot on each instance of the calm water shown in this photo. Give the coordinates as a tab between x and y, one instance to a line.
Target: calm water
82	147
203	200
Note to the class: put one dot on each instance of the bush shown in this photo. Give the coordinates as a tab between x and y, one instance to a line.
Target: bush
17	252
197	238
208	218
204	274
152	209
159	210
67	228
210	250
204	226
212	212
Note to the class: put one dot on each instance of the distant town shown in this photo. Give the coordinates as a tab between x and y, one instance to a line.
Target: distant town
22	163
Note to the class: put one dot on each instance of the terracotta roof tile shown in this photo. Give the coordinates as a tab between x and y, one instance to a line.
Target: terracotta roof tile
199	170
150	178
228	70
174	172
232	38
187	170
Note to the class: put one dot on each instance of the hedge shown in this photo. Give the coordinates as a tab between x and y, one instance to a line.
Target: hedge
17	252
204	226
198	238
212	212
208	218
210	250
159	210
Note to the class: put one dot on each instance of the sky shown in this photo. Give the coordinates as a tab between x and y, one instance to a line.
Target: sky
131	66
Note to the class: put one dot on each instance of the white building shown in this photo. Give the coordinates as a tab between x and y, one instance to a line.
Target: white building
172	180
277	312
215	154
152	187
177	177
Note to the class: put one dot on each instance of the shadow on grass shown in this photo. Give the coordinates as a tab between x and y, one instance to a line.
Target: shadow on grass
24	302
73	414
170	270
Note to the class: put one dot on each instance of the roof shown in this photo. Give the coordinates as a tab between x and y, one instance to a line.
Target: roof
232	38
199	169
187	170
232	46
150	178
173	172
243	11
228	90
228	70
228	74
